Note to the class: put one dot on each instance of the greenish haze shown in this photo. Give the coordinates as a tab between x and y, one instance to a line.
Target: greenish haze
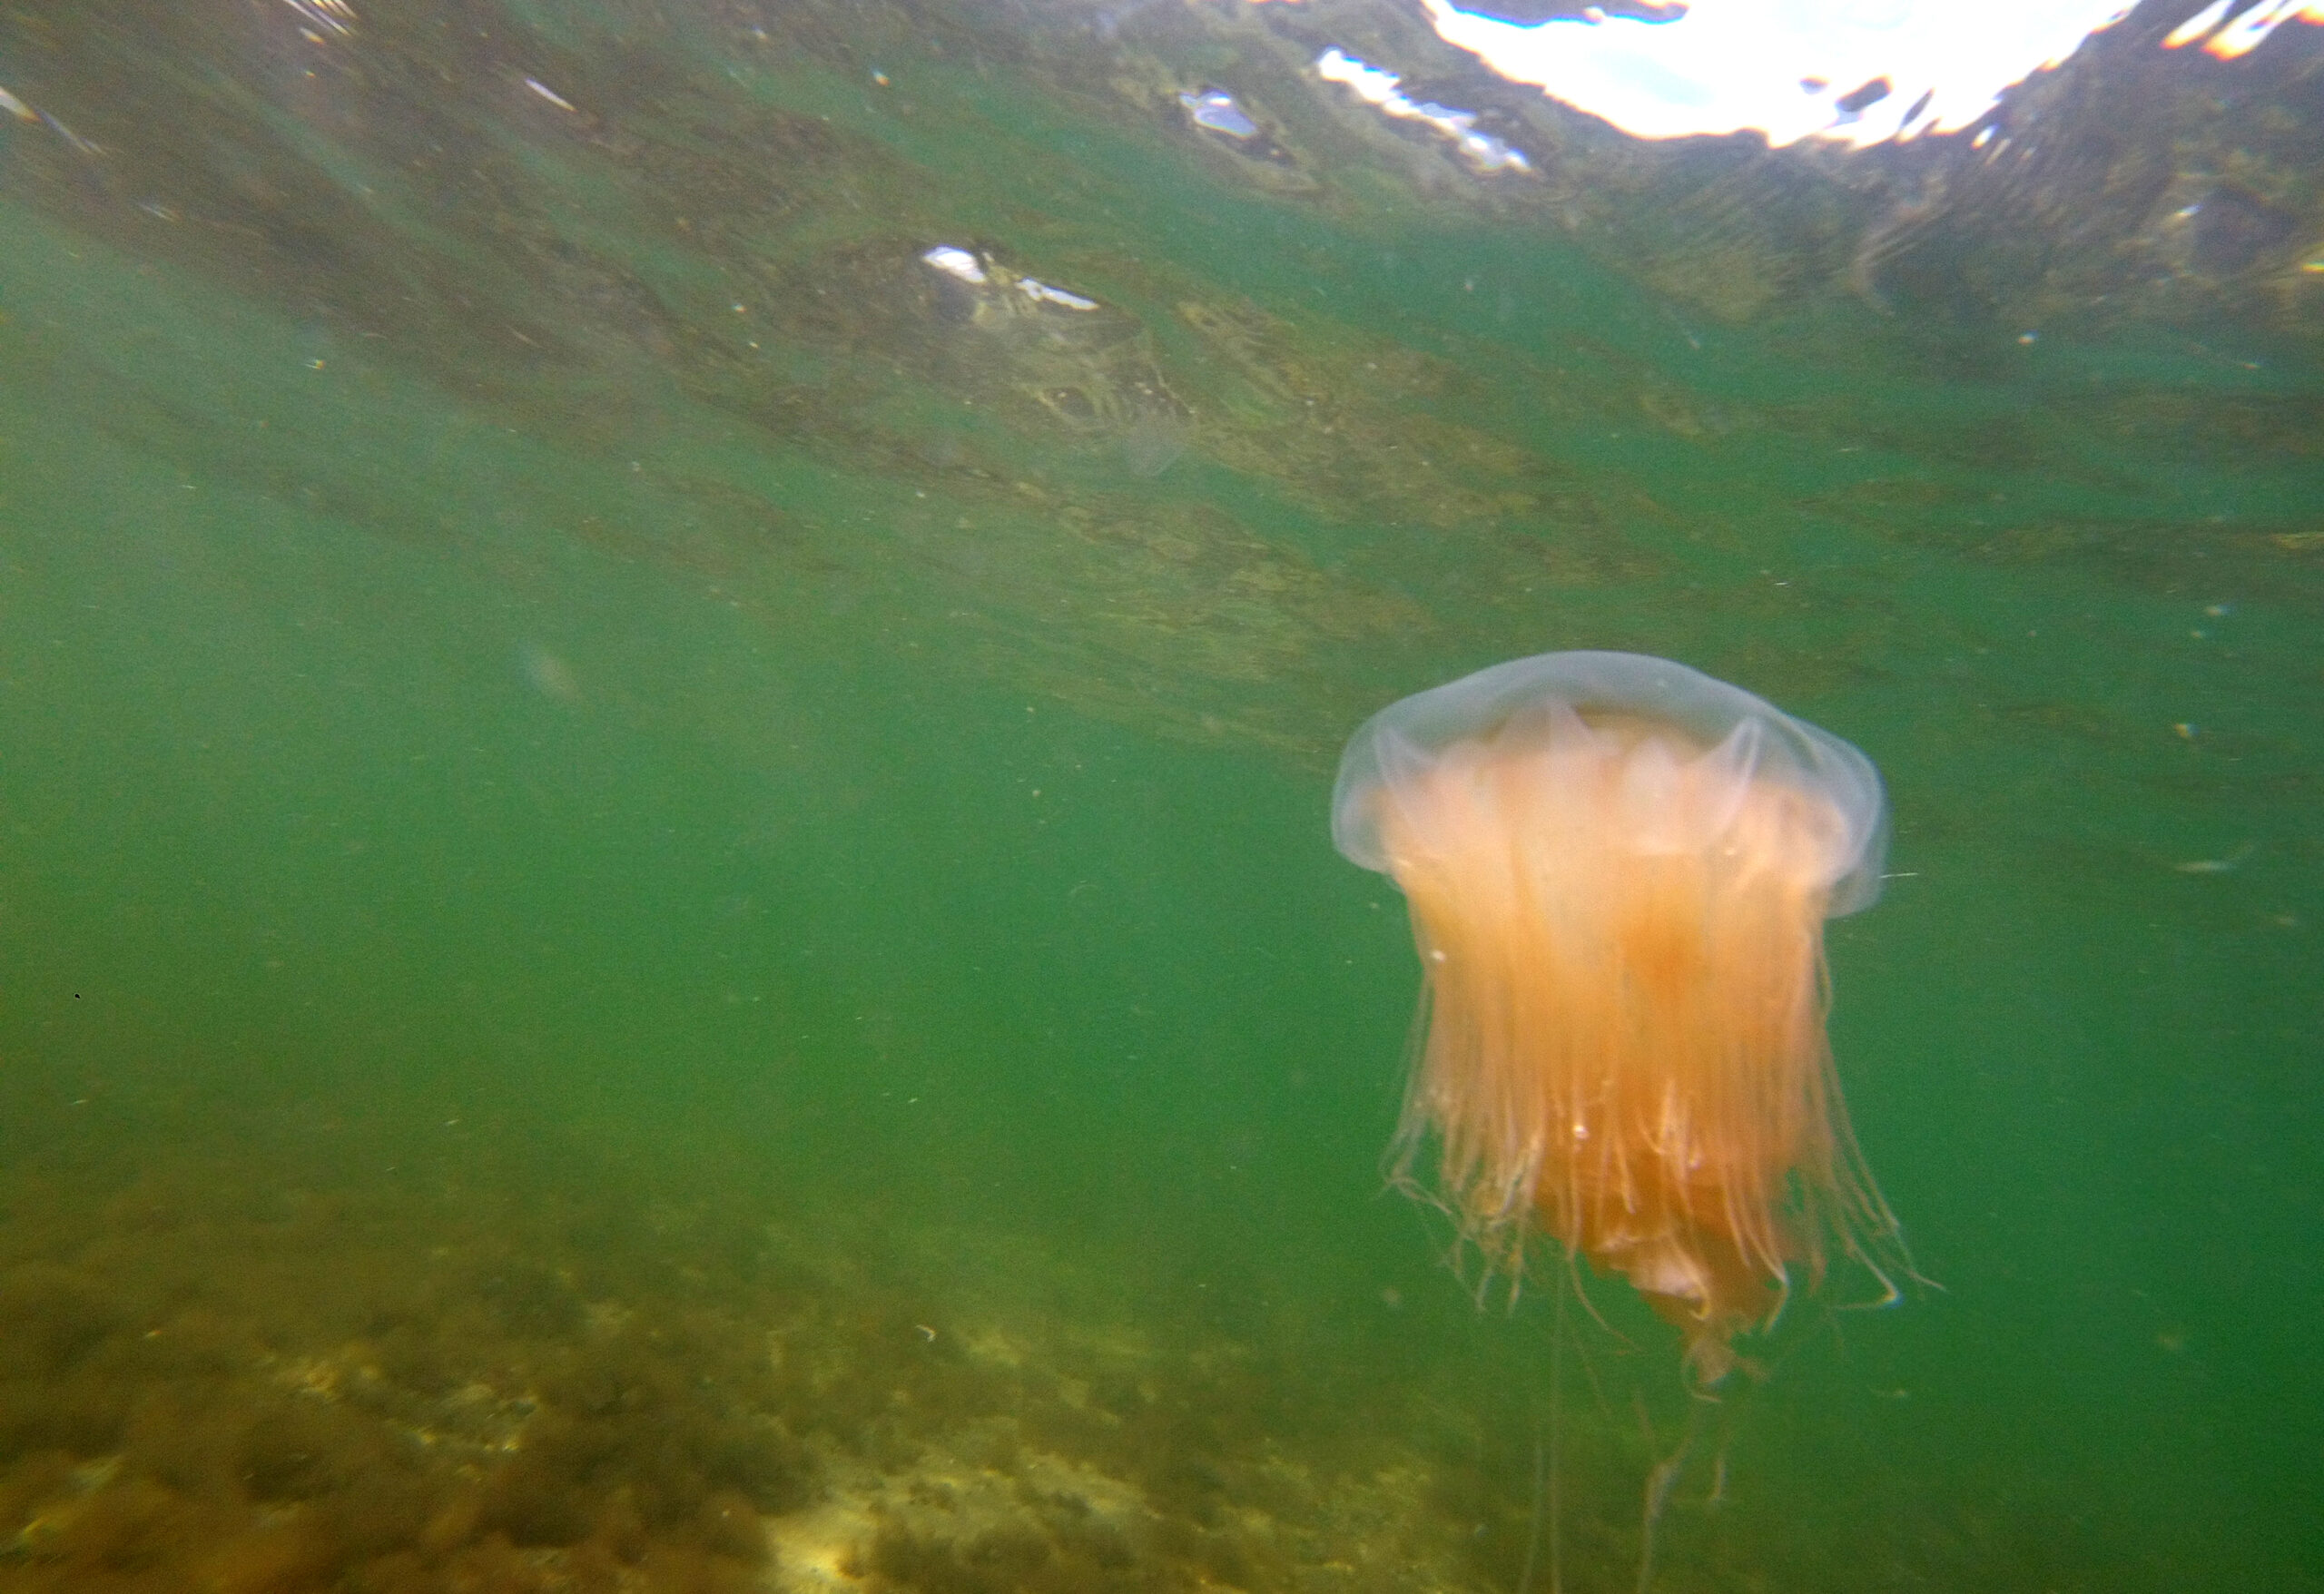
561	621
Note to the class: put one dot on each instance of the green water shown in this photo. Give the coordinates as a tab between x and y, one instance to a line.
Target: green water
615	795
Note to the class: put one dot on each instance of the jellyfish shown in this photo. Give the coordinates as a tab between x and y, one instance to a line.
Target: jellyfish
1617	870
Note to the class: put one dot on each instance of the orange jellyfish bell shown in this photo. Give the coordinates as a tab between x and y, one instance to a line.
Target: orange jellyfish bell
1619	870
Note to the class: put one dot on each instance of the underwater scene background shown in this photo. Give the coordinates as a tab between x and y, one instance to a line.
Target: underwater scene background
668	683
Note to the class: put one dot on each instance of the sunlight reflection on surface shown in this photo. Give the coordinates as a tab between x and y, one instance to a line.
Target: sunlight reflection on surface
1860	71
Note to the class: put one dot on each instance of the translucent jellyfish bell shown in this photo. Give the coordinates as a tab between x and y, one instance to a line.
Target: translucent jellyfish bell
1617	870
1535	702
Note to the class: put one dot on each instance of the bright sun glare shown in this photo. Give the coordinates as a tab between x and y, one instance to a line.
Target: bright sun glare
1856	71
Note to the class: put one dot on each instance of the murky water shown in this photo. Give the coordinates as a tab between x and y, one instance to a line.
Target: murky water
666	917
